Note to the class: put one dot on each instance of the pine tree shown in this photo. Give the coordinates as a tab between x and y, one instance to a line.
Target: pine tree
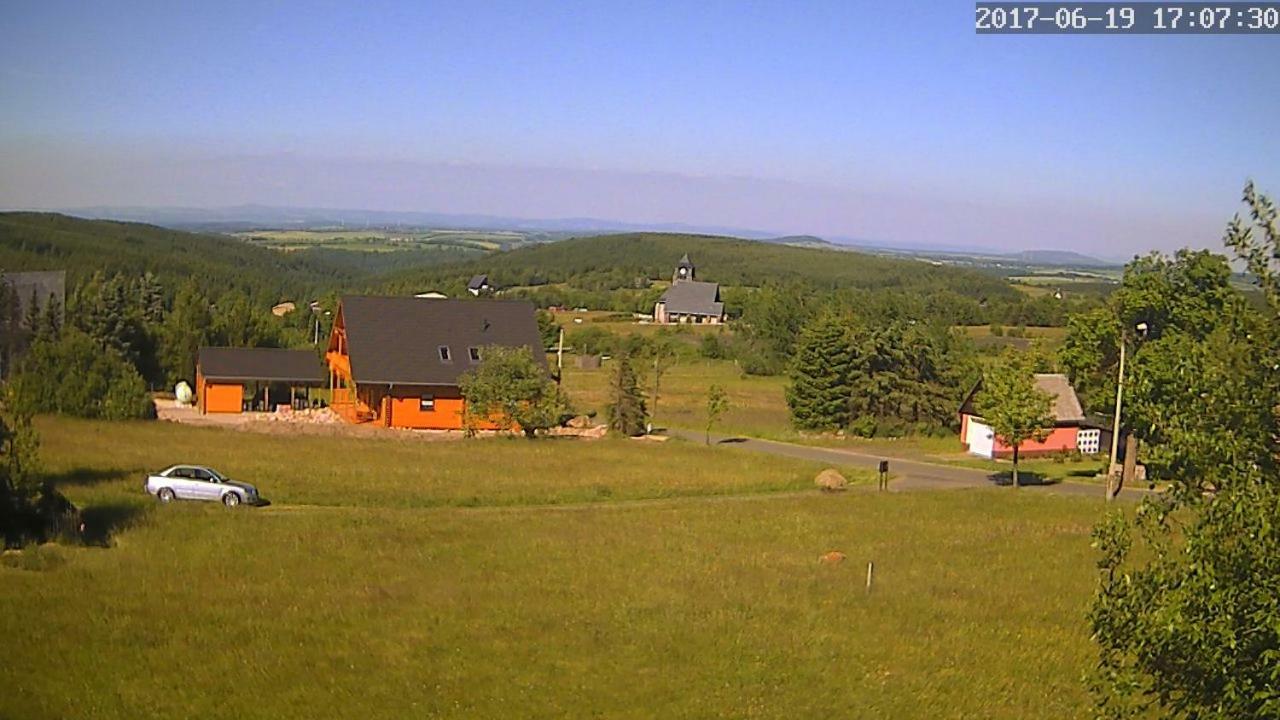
151	299
819	394
627	413
51	321
186	327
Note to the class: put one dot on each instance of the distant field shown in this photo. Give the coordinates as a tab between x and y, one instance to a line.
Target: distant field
1050	337
757	405
364	592
383	240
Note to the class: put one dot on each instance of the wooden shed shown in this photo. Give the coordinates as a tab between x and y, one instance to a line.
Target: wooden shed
232	380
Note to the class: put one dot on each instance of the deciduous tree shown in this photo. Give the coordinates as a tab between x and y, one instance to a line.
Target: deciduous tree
1185	615
717	406
1012	405
510	387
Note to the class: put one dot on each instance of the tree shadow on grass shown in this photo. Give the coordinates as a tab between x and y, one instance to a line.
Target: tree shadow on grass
729	440
103	521
84	476
1004	478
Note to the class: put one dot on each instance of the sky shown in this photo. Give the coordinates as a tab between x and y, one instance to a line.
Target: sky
888	122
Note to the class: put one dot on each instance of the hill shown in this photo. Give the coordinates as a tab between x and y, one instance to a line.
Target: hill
47	241
620	260
1062	258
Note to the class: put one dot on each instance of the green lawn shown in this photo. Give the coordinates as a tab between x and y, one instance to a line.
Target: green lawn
389	600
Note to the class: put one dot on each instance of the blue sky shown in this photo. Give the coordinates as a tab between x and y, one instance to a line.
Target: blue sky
888	121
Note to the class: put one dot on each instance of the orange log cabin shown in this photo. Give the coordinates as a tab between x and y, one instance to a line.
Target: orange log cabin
233	380
396	361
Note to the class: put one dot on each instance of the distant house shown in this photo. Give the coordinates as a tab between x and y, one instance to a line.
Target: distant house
1071	430
284	308
688	300
397	361
479	284
232	380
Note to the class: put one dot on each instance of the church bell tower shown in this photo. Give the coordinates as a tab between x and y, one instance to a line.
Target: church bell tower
684	270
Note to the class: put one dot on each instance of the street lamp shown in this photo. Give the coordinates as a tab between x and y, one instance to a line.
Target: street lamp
1113	487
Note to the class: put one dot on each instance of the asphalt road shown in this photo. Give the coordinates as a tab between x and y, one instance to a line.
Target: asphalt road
905	475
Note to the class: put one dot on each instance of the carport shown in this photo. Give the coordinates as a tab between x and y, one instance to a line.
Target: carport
233	380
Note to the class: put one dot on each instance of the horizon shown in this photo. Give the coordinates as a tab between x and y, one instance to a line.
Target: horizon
895	125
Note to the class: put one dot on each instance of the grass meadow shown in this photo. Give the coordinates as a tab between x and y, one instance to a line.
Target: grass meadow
396	578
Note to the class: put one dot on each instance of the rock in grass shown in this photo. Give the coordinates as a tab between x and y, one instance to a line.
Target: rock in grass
835	557
830	480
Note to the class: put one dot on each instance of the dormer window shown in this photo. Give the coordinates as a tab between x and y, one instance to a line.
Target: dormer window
475	354
444	354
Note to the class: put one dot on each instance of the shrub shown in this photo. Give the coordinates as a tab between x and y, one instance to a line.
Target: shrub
76	376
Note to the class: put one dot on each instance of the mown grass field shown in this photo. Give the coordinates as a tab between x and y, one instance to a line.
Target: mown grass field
366	591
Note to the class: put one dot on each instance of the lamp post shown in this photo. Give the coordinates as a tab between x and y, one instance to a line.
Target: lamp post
1113	487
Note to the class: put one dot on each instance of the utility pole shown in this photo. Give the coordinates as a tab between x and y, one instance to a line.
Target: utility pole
1115	428
560	357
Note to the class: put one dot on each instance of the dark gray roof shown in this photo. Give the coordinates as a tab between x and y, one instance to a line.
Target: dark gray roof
694	298
397	340
477	282
269	364
44	283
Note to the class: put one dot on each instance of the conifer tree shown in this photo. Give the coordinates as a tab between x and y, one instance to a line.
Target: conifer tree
819	393
627	412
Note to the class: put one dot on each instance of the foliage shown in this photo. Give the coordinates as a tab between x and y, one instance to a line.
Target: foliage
622	261
1012	405
1189	627
591	340
874	375
820	390
76	376
771	326
626	409
717	405
661	349
909	376
1185	614
216	263
509	387
548	329
1089	356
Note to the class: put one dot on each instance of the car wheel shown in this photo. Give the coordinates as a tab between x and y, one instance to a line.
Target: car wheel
231	499
165	495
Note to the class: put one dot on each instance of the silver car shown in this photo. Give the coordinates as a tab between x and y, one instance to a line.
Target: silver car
193	482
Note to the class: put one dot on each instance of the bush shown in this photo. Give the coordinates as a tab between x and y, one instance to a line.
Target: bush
76	376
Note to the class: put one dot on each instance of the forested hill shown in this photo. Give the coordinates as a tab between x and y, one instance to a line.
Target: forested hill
47	241
621	261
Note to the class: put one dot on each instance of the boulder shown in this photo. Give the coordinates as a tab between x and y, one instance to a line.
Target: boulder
580	421
835	557
830	480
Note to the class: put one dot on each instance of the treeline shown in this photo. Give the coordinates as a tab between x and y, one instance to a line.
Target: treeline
215	263
869	376
628	272
123	335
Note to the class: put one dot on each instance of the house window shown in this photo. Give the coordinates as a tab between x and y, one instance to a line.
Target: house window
1089	441
444	354
427	403
475	354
